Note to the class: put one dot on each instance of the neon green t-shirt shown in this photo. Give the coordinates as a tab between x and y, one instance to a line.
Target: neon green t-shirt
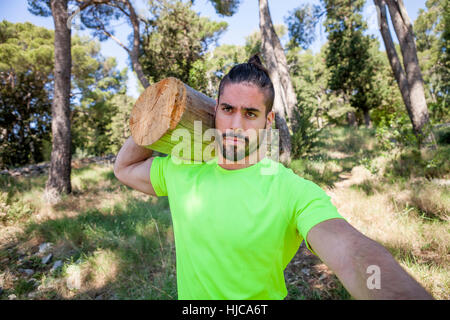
236	230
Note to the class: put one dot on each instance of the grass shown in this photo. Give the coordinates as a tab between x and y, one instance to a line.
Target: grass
116	243
394	197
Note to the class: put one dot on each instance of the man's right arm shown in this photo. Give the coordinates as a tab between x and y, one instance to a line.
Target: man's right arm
132	167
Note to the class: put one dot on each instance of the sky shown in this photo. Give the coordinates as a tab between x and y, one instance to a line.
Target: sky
241	24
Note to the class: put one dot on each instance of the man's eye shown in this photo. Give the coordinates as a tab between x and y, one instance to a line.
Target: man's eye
251	114
227	109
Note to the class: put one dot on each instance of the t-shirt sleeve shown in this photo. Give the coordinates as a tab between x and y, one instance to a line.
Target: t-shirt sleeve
158	175
312	207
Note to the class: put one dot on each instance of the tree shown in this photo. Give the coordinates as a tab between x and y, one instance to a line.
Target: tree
348	55
95	83
24	110
225	7
219	62
409	77
97	15
432	39
309	80
118	129
302	23
285	98
60	166
26	67
176	42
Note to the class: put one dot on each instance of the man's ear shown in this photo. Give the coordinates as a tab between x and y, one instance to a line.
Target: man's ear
270	118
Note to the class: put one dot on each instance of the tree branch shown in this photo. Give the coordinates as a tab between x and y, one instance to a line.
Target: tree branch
86	4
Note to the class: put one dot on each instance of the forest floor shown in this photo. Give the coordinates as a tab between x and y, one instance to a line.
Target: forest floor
107	241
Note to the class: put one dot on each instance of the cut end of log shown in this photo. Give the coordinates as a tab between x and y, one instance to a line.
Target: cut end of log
158	109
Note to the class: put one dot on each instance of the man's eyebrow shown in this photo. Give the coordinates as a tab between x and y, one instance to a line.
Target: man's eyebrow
245	108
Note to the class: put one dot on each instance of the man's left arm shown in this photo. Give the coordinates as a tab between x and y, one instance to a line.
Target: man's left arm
350	254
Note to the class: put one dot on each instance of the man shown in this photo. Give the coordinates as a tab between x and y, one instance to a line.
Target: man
236	229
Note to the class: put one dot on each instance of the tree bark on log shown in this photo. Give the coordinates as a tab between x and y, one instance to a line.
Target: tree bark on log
60	168
161	113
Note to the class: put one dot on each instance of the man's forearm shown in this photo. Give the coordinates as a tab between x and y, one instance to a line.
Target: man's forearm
375	274
131	153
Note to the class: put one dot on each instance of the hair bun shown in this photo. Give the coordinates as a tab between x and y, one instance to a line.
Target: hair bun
255	60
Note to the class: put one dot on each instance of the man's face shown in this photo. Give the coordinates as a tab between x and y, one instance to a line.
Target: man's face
240	114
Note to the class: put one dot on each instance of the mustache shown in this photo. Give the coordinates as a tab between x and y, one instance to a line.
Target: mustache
235	135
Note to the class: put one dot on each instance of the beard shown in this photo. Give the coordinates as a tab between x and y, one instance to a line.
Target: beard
237	152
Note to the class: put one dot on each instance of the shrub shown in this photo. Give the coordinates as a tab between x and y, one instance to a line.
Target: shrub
414	163
305	135
13	210
443	135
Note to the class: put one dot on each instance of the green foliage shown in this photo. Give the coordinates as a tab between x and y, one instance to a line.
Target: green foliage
226	7
315	169
26	75
119	129
220	62
302	23
12	209
40	7
23	286
413	163
175	43
442	135
396	133
24	119
26	58
98	81
348	56
368	187
303	140
226	56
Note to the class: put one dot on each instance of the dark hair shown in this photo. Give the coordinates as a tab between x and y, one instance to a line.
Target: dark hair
251	72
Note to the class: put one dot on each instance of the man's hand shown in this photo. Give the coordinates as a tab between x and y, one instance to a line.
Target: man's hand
354	257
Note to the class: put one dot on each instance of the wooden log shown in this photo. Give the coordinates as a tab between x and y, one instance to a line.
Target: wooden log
167	106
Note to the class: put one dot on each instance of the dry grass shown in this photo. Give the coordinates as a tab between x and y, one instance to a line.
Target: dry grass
114	242
391	197
421	246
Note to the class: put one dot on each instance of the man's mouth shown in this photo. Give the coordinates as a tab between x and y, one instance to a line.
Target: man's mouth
234	140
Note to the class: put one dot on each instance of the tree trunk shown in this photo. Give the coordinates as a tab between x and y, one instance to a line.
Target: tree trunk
60	167
134	53
275	57
409	79
351	119
285	139
134	20
285	98
367	120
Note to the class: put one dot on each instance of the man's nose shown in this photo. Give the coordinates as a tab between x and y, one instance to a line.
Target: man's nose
236	122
